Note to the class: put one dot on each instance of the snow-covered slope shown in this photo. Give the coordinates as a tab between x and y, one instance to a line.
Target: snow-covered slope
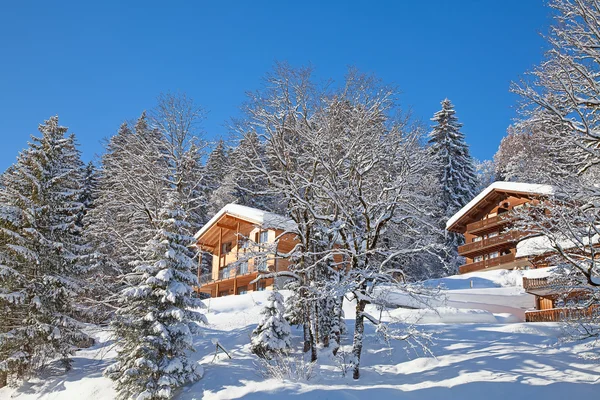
477	354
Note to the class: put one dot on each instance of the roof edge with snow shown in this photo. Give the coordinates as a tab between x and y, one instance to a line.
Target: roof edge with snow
518	187
256	216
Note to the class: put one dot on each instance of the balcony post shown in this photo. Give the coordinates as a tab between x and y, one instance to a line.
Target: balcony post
220	246
200	268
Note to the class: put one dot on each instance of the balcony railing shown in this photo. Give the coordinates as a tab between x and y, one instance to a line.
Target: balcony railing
205	278
232	271
490	263
562	314
485	243
487	223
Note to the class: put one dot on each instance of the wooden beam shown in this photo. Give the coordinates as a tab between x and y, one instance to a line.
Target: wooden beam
228	227
200	244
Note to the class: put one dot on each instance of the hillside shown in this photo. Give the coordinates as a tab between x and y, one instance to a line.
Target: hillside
478	351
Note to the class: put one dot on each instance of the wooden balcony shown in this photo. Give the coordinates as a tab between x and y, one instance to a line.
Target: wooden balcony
486	244
535	283
562	314
488	223
232	272
486	264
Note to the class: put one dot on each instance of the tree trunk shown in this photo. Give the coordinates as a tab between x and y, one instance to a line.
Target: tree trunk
3	379
306	330
313	347
359	328
316	321
337	335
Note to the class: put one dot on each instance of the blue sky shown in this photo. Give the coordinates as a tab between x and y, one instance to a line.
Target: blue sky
96	64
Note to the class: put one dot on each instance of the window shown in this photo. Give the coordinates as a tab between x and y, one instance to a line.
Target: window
494	255
477	239
478	259
260	285
263	237
242	290
492	234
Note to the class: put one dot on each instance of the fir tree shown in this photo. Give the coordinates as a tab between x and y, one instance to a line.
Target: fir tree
216	166
39	244
456	174
158	314
130	194
237	187
272	335
89	191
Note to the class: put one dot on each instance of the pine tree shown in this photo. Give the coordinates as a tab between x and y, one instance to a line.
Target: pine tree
130	194
272	335
456	174
89	190
39	244
237	187
216	165
158	314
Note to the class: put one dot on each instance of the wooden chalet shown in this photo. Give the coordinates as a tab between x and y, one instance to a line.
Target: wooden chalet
484	222
244	243
489	245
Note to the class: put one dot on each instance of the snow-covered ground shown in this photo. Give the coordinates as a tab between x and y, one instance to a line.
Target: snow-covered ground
479	352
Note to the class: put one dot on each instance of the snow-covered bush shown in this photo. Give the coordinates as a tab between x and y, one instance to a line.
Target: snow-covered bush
287	367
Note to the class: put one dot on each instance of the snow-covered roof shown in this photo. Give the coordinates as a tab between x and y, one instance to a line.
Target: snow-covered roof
261	218
534	246
502	186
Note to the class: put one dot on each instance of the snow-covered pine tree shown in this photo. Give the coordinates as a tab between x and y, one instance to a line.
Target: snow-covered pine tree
456	174
178	118
130	195
216	167
89	190
272	335
39	241
237	187
158	314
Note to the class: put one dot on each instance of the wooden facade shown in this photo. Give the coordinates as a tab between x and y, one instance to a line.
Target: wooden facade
242	249
485	225
491	243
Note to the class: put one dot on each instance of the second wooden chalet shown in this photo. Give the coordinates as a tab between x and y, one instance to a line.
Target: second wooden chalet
244	242
484	222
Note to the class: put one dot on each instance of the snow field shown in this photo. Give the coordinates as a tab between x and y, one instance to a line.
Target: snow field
477	354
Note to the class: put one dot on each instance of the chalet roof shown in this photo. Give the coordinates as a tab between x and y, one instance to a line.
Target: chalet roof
261	218
500	186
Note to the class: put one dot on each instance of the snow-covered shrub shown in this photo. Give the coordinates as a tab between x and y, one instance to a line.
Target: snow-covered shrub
342	361
287	367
